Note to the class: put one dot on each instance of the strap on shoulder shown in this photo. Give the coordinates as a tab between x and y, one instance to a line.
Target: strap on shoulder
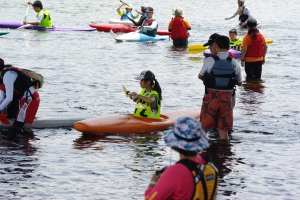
216	58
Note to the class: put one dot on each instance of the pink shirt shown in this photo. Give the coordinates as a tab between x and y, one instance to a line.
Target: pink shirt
176	183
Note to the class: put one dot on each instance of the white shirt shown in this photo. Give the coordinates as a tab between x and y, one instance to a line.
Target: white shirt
153	26
210	61
9	79
40	17
246	11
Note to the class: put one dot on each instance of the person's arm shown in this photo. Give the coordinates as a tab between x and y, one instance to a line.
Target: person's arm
244	50
119	8
39	19
209	62
140	22
187	24
232	16
8	80
237	72
146	99
153	26
170	27
247	12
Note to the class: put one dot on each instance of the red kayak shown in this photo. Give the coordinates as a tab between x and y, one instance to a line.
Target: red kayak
121	28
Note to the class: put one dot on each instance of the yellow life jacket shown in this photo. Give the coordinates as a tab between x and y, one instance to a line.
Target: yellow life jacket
205	179
234	44
152	112
46	22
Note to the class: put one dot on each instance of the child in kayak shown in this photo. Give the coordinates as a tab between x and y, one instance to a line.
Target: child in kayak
128	13
235	42
43	16
149	98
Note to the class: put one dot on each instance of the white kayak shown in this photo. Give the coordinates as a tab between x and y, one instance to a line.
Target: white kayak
50	122
118	21
137	37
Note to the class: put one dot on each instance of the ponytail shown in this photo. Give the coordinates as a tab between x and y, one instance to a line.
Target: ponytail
157	88
255	32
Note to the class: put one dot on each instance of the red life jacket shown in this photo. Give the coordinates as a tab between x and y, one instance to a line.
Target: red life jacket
256	48
178	30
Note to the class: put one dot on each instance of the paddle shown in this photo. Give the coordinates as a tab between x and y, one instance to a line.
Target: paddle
130	7
4	120
138	105
26	12
199	48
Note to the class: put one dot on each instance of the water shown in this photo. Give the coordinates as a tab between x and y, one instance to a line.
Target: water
83	76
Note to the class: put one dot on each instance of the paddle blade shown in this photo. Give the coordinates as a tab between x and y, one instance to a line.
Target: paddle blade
196	51
143	106
125	91
269	41
196	48
4	120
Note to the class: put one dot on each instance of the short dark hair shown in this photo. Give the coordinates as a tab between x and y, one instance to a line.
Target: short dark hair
185	152
223	42
38	4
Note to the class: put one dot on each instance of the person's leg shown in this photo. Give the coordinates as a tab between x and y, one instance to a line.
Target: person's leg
17	127
223	134
225	115
249	69
176	43
208	114
257	69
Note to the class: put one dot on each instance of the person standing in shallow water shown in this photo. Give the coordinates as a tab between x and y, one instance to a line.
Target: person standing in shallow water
243	11
254	51
220	74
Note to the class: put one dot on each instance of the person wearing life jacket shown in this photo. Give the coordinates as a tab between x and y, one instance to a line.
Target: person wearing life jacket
244	13
254	51
149	99
178	26
142	18
185	178
220	74
19	88
150	25
127	13
235	42
43	16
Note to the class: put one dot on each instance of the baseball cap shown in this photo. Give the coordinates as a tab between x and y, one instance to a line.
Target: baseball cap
211	39
177	12
187	134
149	9
1	64
251	23
147	74
143	8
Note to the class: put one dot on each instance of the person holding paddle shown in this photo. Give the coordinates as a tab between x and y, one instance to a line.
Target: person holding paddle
150	25
43	16
18	90
178	26
243	11
142	18
220	74
128	13
149	97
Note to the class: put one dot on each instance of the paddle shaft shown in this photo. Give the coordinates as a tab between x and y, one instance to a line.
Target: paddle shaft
26	12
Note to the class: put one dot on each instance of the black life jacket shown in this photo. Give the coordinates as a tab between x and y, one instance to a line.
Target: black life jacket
205	178
22	83
222	75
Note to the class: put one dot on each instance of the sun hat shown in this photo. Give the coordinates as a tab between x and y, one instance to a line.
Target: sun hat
187	134
128	6
149	9
177	12
251	23
211	39
1	64
147	74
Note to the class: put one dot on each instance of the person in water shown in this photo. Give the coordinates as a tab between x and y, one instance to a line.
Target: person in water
235	42
220	74
150	25
178	181
43	16
18	88
150	96
127	13
243	11
178	26
142	18
254	50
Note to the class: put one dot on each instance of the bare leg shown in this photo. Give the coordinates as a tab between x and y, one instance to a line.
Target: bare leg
223	134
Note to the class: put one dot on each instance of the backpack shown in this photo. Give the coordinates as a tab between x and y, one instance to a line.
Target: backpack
205	178
36	78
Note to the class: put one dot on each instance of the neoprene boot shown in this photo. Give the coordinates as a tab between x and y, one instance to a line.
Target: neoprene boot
17	127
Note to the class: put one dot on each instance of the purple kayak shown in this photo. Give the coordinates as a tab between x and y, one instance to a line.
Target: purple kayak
17	24
237	54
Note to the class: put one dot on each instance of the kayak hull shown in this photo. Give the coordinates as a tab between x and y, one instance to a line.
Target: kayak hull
3	32
118	21
237	54
18	24
129	124
121	28
138	37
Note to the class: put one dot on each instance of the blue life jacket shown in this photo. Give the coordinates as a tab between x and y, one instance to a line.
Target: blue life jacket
222	75
124	17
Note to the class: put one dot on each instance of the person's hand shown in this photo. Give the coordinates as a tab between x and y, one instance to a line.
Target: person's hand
132	95
29	2
244	24
226	18
263	61
24	22
243	63
155	177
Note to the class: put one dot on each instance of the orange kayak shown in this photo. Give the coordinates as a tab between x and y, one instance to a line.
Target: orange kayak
127	123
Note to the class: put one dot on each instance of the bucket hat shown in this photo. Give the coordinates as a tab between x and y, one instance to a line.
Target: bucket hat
187	134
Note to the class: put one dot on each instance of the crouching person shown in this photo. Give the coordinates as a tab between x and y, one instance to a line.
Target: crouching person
18	88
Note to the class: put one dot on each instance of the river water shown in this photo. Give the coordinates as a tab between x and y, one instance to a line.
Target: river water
84	72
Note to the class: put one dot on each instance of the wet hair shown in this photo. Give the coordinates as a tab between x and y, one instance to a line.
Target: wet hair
38	4
223	42
254	31
185	152
155	85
